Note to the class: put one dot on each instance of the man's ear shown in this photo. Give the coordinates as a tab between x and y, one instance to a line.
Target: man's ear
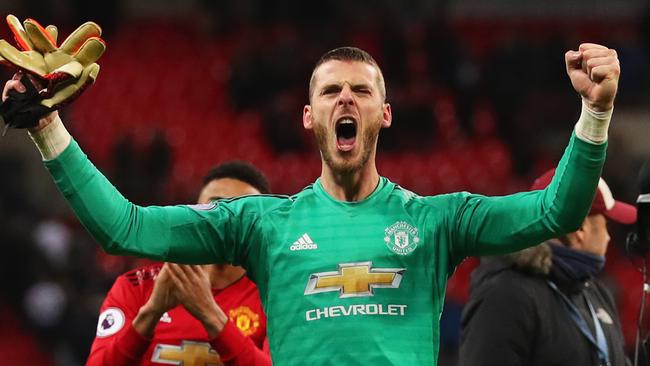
580	234
578	237
387	115
307	118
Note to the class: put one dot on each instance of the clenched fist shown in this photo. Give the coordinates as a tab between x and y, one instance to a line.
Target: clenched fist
594	71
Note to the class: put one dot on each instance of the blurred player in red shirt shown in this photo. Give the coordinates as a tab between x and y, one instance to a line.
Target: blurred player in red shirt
187	315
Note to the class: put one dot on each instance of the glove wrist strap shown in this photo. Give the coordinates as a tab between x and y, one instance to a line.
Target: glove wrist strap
52	139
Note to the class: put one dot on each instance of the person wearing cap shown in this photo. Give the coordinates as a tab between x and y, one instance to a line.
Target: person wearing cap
544	305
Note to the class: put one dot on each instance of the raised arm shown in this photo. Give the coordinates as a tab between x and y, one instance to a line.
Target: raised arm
494	225
184	234
52	75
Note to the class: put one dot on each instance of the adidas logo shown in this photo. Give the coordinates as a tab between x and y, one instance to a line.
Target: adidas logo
165	318
304	243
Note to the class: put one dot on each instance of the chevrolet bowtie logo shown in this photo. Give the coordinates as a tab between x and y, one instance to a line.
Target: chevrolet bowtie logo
354	280
189	353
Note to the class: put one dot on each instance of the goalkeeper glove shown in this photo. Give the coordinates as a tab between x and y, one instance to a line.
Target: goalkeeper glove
41	57
66	71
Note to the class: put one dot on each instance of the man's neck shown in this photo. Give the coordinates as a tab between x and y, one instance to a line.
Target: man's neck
223	275
350	186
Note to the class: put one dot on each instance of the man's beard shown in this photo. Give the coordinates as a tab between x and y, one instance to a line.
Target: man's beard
367	140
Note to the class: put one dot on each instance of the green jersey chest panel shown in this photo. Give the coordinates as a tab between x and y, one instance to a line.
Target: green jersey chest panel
354	267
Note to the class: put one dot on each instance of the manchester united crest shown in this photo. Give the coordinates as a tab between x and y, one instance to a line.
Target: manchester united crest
401	238
246	320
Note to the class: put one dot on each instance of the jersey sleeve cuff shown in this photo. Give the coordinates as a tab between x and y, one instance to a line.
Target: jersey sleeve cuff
230	342
132	344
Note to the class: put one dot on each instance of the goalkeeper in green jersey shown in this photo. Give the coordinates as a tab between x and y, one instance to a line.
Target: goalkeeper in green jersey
352	269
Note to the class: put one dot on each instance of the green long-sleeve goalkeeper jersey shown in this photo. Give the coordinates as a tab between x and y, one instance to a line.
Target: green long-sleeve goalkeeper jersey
342	283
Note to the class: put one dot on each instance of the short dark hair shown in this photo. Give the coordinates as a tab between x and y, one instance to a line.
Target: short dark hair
347	54
240	170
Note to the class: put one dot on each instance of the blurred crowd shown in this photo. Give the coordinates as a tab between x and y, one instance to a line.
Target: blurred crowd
453	82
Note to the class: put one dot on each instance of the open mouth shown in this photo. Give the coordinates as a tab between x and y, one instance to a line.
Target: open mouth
346	133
